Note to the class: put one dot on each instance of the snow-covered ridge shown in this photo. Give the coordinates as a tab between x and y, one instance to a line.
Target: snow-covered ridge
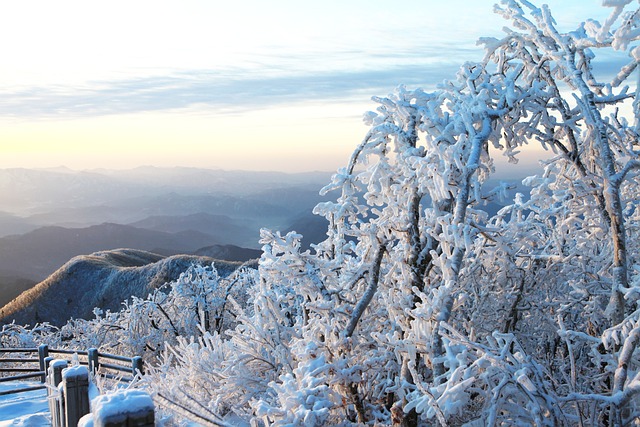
103	279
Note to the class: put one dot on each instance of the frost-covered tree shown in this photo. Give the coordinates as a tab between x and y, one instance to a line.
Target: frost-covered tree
579	113
411	214
420	308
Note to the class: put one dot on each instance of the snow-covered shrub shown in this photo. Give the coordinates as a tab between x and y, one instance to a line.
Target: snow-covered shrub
195	303
25	336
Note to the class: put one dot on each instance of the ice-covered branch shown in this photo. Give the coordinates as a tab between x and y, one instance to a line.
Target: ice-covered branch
630	166
624	359
372	286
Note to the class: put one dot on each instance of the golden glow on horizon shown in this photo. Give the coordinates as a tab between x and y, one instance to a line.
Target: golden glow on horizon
274	139
292	138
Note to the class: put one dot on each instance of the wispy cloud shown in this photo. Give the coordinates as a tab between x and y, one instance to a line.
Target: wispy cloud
257	81
229	90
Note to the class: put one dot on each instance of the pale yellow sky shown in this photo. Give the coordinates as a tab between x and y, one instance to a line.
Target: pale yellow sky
257	85
293	138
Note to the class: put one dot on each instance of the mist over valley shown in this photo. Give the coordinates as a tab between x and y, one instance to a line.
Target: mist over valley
50	216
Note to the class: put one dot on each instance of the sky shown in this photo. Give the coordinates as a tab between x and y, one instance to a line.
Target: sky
249	84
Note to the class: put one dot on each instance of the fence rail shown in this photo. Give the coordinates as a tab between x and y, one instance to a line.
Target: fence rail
23	389
103	364
18	350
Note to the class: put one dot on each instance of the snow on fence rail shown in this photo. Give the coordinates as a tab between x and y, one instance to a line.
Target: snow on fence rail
106	365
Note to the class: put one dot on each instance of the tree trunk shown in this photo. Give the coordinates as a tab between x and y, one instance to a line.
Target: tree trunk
612	181
459	215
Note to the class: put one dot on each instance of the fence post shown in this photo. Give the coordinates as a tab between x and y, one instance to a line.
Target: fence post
75	381
54	378
136	366
124	408
43	352
47	363
61	410
92	355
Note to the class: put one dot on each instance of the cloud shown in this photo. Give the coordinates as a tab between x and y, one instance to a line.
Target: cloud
224	90
255	82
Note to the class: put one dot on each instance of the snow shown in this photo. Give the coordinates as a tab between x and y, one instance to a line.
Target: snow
30	409
74	372
24	409
86	421
58	363
93	391
122	402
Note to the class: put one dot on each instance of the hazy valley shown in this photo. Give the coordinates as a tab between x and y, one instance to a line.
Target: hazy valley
51	216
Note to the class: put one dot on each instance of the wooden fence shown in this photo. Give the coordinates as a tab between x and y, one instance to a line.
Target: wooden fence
26	359
34	362
68	387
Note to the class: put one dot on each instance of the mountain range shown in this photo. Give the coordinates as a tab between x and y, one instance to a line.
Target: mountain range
27	192
49	216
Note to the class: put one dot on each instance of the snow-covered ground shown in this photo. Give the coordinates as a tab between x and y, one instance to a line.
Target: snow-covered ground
23	409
